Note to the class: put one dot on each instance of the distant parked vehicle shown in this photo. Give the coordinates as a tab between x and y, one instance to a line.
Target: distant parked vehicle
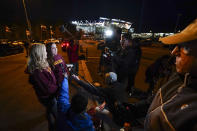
15	43
10	49
20	43
52	40
65	44
3	41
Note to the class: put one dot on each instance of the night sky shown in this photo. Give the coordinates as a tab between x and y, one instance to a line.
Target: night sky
155	15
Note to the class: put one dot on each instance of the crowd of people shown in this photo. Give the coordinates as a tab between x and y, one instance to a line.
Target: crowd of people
169	104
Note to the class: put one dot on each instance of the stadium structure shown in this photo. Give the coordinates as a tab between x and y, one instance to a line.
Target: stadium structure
103	26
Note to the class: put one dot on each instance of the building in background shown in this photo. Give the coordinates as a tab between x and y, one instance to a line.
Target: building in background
102	27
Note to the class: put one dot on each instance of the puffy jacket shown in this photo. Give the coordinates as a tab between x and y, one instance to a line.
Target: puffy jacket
68	120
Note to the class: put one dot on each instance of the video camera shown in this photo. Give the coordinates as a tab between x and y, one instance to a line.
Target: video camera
69	66
107	55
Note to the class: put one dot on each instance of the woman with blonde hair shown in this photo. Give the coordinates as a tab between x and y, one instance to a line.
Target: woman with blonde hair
43	81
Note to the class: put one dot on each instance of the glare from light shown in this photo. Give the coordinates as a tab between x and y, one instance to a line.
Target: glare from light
108	33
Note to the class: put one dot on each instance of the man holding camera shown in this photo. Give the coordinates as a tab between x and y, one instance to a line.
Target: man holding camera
126	62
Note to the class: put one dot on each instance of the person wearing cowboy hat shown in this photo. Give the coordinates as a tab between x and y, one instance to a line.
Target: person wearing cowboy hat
175	104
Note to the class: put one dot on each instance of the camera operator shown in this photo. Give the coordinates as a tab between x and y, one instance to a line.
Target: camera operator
126	62
113	41
112	44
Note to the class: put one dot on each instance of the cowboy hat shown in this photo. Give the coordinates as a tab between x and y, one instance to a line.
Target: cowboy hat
188	34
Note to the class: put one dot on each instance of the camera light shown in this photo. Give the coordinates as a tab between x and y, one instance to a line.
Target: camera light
108	33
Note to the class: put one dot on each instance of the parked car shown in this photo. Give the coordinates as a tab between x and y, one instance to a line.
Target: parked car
65	44
20	42
52	40
3	41
10	49
15	43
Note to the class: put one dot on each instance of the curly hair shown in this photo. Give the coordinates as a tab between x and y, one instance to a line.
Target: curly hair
37	58
79	103
50	58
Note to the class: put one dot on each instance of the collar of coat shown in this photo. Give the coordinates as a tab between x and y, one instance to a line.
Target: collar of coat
189	81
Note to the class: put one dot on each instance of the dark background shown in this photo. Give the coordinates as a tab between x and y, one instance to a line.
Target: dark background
146	15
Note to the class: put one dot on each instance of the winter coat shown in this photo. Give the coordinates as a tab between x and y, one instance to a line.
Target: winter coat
44	83
174	106
127	61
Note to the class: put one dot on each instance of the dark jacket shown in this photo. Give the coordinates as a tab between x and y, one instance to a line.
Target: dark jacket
113	91
60	68
127	61
174	106
44	83
68	120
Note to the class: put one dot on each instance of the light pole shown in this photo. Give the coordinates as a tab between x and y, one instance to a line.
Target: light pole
141	16
51	32
177	22
28	21
41	32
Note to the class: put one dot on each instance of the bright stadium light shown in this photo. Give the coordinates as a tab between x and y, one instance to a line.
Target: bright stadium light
108	33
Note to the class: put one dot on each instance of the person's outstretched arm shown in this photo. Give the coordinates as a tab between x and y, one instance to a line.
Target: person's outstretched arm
91	89
63	98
